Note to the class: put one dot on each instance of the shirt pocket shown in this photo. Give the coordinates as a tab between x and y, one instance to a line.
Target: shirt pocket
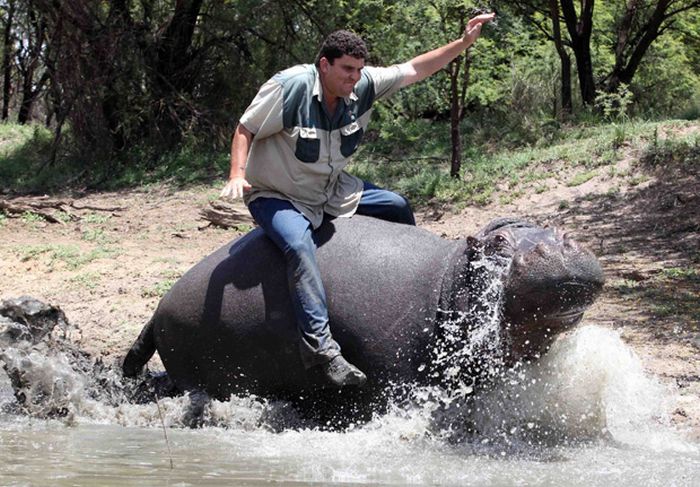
350	137
308	145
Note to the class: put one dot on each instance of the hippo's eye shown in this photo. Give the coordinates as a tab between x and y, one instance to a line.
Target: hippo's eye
497	244
500	240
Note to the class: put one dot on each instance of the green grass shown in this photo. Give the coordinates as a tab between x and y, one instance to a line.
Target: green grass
67	255
410	157
420	170
682	273
86	280
96	218
96	235
683	151
581	178
31	218
25	152
159	289
186	166
638	179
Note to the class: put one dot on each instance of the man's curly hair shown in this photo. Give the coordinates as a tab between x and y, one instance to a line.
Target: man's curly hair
342	42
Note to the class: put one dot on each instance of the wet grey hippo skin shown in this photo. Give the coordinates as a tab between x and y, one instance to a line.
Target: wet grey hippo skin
227	325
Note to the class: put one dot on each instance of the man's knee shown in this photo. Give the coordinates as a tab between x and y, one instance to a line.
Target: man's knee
402	210
299	246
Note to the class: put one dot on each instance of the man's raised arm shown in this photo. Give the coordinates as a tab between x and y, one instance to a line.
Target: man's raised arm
431	62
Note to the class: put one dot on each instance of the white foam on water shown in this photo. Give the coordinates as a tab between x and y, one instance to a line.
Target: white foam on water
589	386
53	383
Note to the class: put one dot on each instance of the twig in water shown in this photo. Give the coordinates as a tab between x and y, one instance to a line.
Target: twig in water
165	432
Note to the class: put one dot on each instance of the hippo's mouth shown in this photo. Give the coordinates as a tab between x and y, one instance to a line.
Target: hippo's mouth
564	320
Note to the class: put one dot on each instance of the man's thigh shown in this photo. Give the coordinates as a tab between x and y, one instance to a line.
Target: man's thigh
385	204
285	225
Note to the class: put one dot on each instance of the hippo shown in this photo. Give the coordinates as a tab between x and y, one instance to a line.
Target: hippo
403	302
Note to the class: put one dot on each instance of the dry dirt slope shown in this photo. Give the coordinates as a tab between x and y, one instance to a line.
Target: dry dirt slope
107	269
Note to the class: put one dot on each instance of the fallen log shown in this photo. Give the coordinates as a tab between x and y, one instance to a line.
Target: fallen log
49	209
41	208
226	215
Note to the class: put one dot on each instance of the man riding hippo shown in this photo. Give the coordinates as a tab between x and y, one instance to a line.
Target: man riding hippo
287	159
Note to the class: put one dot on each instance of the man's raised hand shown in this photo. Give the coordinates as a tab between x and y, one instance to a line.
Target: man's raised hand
473	29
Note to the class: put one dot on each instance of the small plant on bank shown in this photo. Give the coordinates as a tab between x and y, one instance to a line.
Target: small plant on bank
95	235
638	179
581	178
159	289
96	218
615	105
681	273
243	227
31	218
87	280
68	255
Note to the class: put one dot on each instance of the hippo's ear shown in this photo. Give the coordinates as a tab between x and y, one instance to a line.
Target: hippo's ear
474	248
504	222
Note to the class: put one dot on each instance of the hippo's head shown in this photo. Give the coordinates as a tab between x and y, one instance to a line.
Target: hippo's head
549	282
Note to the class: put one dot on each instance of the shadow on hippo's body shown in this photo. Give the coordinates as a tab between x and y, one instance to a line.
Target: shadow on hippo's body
243	270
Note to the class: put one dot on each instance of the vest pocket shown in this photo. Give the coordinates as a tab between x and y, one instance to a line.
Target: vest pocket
308	145
350	137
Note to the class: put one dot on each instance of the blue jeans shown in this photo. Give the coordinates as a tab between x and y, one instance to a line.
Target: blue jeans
289	229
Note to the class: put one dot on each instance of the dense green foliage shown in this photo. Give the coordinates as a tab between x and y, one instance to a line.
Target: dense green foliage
139	90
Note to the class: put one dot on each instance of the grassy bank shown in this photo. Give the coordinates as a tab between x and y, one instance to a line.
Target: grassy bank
418	166
411	158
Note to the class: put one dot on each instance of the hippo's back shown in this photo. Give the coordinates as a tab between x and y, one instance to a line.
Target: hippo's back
228	323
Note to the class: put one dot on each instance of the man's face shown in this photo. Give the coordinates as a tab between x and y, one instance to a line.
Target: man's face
340	78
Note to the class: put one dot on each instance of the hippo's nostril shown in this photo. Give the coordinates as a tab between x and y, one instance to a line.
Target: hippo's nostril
570	244
540	249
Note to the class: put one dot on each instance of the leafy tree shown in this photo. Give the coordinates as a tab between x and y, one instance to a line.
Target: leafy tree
639	24
545	16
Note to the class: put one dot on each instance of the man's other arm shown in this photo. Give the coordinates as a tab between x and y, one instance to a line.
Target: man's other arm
240	147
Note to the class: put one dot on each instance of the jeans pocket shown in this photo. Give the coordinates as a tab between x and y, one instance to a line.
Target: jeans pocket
308	145
350	137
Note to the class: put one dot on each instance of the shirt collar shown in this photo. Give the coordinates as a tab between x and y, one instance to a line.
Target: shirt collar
318	90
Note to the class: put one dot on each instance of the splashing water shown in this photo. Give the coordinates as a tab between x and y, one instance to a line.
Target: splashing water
471	345
556	421
560	420
589	386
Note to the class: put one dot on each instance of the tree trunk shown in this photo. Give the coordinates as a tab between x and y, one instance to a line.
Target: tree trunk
173	48
7	62
31	90
627	60
456	159
173	78
565	61
25	107
580	29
